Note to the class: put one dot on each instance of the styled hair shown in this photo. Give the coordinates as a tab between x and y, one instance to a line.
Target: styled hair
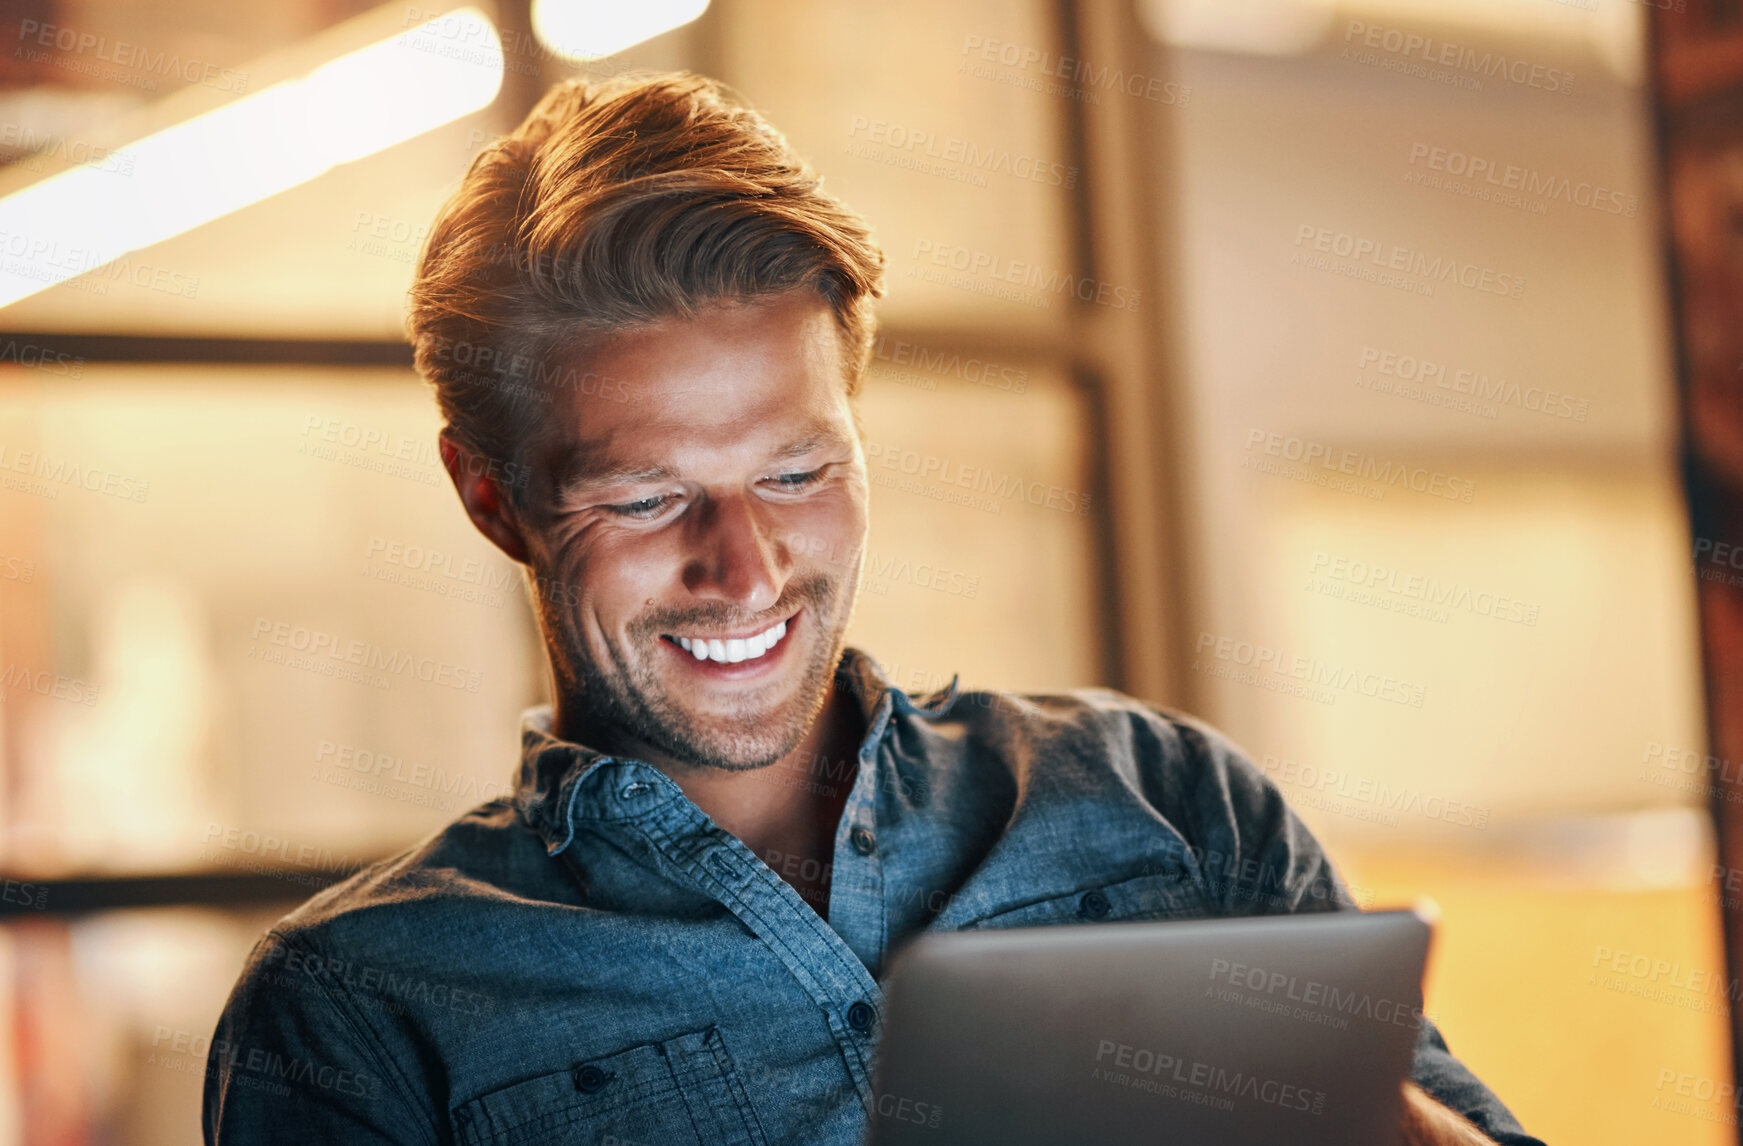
613	205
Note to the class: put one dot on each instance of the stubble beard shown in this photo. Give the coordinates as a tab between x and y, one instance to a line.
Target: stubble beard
628	699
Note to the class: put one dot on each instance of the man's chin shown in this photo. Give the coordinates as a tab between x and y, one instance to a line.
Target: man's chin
734	750
719	725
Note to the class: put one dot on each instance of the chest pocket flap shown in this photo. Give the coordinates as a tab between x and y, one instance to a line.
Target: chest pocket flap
682	1090
1167	895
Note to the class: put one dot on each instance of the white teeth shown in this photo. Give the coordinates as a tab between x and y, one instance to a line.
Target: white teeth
735	650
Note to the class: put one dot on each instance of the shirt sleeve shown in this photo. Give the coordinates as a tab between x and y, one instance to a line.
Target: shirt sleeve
288	1064
1257	857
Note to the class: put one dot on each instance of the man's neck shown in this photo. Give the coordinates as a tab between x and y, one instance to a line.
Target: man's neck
793	805
789	807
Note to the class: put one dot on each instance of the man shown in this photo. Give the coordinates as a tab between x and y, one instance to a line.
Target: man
645	324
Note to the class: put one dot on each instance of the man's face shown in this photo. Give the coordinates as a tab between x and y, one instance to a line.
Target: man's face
720	511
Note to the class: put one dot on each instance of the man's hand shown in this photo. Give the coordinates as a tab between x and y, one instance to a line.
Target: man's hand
1428	1123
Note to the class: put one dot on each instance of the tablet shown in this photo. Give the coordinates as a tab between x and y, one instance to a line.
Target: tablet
1276	1029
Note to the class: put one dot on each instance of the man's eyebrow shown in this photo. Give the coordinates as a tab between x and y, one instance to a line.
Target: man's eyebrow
576	476
817	439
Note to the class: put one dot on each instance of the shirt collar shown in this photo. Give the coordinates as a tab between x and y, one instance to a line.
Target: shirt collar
557	785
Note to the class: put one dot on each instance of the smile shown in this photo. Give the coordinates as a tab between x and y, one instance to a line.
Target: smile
732	650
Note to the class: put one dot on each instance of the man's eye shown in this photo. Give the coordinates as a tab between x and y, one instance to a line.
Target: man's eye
646	507
798	480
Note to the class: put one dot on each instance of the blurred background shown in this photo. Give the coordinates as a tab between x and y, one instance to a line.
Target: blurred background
1318	360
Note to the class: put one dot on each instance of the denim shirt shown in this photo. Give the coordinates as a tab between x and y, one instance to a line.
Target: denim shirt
596	961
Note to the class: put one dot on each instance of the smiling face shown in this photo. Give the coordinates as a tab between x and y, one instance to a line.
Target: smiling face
697	546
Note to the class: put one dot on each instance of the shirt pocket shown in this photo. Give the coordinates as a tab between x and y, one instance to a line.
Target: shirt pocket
674	1093
1166	895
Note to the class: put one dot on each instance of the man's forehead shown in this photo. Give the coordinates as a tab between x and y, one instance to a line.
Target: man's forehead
798	325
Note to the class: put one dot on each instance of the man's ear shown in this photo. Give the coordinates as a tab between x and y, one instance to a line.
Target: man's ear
477	481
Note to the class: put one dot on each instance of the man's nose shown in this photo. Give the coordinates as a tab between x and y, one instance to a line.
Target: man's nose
736	555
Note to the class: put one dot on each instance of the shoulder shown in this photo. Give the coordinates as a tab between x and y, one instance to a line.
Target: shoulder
1102	746
361	973
1154	746
415	906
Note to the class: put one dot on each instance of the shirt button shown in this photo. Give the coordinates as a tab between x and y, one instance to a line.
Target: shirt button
590	1079
633	789
863	841
859	1017
1093	905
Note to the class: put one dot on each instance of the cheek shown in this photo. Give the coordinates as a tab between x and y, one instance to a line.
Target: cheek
615	578
592	581
829	533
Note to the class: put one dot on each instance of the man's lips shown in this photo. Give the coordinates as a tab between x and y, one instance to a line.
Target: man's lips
743	651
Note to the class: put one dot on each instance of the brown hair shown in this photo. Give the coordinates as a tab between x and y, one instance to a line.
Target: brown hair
615	204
